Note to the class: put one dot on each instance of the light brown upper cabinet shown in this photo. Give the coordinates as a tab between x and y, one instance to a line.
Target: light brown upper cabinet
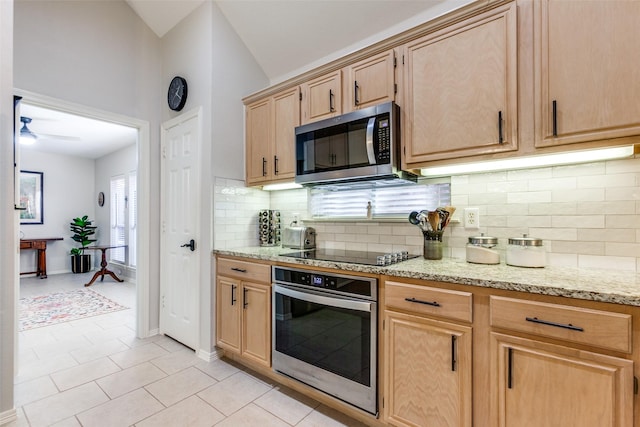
460	85
270	137
322	97
370	81
587	70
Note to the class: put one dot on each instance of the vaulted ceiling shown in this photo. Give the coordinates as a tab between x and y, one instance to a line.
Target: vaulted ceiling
285	36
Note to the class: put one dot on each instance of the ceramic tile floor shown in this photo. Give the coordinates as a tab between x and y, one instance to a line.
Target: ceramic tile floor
95	372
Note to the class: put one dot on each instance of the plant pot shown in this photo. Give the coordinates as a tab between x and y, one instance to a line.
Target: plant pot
80	263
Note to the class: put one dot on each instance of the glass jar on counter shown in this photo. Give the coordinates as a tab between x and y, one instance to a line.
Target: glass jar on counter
526	252
480	250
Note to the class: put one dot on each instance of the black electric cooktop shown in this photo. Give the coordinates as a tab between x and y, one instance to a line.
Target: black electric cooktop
353	257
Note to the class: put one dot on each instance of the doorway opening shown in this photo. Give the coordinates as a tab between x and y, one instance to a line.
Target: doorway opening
134	134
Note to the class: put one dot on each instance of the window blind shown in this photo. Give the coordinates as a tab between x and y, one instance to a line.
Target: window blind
133	215
386	202
117	218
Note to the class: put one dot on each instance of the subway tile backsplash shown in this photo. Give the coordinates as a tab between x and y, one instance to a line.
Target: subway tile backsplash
588	215
236	207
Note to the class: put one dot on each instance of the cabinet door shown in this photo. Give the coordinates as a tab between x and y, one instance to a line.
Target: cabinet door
544	385
427	372
228	313
256	323
461	89
258	141
286	116
587	63
370	82
322	97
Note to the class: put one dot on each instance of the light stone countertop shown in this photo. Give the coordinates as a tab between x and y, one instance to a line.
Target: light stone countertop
595	285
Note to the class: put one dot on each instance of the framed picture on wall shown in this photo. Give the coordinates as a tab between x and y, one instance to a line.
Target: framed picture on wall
31	197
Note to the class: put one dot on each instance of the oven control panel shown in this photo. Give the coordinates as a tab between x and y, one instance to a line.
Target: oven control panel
354	285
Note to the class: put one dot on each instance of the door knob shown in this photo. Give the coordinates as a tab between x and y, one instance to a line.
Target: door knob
191	245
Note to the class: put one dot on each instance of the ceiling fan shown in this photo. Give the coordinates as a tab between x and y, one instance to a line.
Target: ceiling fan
28	137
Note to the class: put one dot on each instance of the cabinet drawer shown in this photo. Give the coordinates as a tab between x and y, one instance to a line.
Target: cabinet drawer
426	300
580	325
244	270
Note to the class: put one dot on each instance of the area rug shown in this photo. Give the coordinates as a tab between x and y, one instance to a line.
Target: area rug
61	307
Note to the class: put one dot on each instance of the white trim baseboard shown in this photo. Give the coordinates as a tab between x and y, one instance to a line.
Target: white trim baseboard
210	356
8	416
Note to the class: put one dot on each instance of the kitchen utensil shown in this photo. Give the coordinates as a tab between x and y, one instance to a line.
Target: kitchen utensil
526	252
443	216
419	219
434	220
450	210
415	217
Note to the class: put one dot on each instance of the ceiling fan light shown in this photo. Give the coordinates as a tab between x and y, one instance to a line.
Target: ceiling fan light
26	136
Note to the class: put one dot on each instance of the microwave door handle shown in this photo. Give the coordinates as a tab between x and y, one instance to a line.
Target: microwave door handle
370	152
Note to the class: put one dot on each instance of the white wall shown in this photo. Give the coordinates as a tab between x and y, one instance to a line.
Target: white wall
120	162
101	55
236	74
8	219
68	192
219	72
97	53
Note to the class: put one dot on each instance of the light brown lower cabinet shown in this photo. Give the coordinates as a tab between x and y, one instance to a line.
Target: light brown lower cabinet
537	384
427	379
243	321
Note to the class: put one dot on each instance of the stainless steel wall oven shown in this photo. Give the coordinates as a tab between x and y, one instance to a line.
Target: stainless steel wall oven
325	333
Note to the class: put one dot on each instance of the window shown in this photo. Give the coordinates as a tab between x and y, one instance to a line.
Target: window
386	202
123	218
117	218
133	215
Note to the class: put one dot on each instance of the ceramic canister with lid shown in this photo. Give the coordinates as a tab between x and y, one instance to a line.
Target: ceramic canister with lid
526	252
480	250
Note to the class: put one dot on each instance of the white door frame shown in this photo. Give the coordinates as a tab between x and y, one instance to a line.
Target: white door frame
143	182
196	112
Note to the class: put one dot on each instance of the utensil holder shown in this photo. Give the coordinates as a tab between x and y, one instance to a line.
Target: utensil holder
432	245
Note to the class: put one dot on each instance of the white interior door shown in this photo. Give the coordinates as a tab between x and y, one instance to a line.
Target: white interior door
180	219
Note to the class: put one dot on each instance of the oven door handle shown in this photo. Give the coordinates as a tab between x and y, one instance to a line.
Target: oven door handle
332	301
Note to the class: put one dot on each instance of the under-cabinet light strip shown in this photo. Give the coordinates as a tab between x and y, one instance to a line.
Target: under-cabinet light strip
531	162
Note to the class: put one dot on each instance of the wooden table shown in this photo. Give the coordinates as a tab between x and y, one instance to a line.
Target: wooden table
103	264
40	246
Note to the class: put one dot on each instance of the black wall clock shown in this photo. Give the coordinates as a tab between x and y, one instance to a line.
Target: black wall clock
177	94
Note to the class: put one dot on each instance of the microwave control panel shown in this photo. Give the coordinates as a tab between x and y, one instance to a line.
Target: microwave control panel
384	141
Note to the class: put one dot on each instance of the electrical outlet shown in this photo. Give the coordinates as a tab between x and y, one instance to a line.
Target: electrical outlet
472	218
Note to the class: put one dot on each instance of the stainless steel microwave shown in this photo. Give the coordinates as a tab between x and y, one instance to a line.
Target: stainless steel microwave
360	146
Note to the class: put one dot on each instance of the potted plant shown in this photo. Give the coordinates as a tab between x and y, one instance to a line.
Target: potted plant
83	230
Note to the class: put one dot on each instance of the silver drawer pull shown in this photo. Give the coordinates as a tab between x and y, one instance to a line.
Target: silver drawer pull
434	303
557	325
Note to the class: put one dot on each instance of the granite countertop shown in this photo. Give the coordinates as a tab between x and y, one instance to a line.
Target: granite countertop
595	285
